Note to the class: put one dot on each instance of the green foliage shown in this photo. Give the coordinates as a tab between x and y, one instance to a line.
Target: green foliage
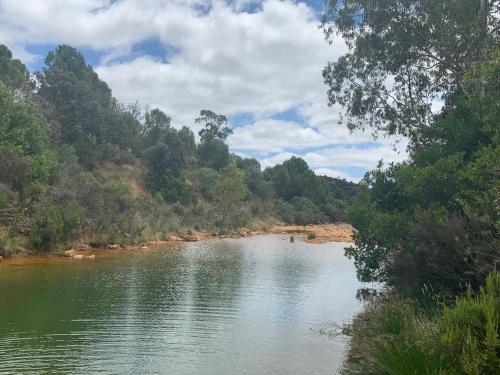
82	106
204	179
13	73
418	44
472	329
320	195
161	158
300	211
212	151
25	133
290	178
395	336
156	127
434	220
214	154
230	191
113	153
171	187
215	126
56	226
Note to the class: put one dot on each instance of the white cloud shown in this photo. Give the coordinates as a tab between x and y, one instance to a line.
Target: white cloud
229	60
352	156
271	136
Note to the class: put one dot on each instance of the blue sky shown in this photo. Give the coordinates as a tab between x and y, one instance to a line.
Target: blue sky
257	62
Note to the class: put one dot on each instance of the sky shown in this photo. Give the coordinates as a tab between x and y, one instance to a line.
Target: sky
257	62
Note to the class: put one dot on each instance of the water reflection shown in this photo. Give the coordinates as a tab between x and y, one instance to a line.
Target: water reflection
246	306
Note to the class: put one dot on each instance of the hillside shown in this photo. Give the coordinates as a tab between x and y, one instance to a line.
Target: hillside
76	165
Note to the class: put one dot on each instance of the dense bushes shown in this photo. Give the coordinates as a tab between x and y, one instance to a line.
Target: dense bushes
396	336
300	211
307	198
56	226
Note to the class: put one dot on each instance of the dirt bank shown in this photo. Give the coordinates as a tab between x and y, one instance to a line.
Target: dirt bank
318	233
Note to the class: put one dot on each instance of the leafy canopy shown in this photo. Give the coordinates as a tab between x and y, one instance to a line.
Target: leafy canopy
402	54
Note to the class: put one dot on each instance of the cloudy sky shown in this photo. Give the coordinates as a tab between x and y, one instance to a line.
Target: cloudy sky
257	62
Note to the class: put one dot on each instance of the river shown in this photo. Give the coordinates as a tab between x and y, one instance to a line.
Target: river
257	305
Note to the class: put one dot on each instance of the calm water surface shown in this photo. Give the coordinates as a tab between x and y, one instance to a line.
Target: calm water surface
247	306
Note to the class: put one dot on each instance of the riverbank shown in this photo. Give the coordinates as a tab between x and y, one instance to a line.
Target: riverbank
314	233
397	335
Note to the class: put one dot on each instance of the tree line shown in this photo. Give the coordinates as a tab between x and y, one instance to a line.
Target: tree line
77	164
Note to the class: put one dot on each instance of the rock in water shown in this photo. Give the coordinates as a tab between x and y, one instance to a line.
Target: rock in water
69	253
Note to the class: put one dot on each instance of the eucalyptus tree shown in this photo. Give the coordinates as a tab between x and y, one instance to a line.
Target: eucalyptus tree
402	55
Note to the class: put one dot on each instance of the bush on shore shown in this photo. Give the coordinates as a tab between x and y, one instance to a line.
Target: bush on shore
401	336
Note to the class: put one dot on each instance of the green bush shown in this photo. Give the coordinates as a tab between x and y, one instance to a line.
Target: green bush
472	329
397	336
114	154
171	187
56	226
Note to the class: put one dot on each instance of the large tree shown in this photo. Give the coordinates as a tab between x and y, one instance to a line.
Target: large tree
402	55
213	151
82	106
13	73
215	126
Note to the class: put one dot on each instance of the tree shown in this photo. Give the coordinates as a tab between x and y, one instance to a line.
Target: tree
162	157
434	219
13	72
23	133
213	153
82	107
402	54
186	136
290	178
215	126
156	127
230	192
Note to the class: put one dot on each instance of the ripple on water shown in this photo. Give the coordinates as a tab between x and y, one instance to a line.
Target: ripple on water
250	306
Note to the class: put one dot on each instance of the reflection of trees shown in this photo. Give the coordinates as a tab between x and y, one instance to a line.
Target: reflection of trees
217	281
293	269
71	307
50	308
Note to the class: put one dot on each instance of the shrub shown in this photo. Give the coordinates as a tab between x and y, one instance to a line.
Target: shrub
113	153
56	226
171	187
306	212
472	329
396	336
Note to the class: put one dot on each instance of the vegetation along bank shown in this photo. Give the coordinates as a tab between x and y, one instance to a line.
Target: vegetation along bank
77	167
428	228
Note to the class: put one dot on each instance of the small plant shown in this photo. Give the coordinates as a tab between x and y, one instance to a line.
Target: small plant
311	236
292	239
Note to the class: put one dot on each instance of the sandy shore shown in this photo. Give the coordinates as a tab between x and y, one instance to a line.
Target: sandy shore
317	233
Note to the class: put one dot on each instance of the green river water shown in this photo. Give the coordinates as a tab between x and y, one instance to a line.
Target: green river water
256	305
